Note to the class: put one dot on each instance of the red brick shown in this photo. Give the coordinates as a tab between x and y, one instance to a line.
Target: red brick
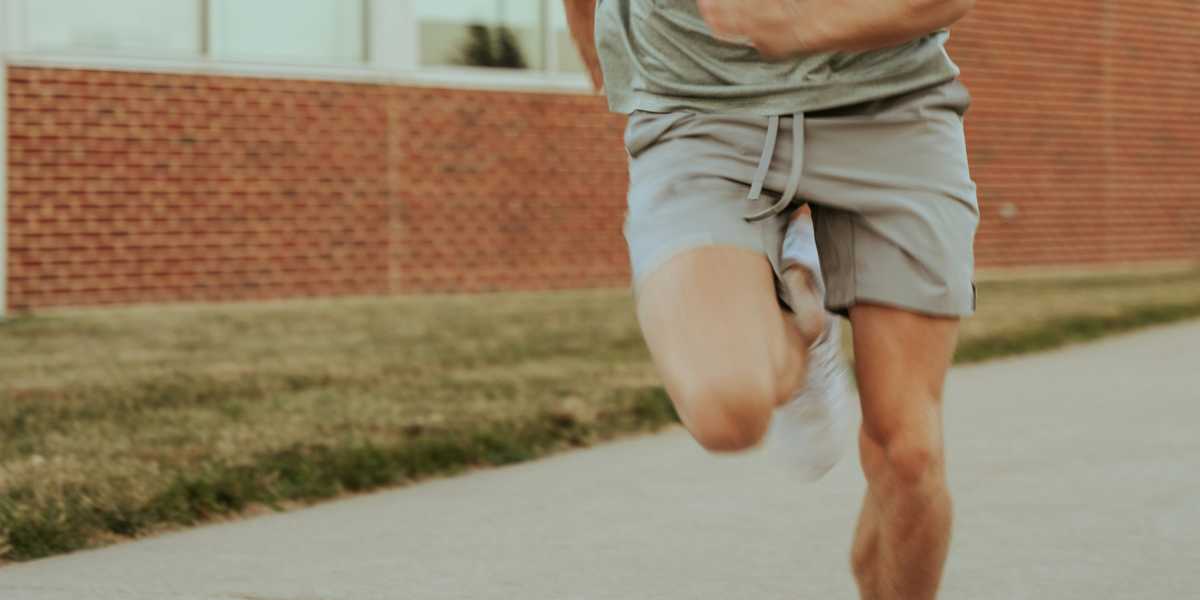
150	187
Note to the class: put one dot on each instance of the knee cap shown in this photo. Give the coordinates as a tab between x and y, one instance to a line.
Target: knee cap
726	421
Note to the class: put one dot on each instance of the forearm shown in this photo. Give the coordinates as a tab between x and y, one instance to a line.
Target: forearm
581	19
869	24
779	28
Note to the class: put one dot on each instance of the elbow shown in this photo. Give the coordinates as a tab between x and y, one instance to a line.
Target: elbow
943	12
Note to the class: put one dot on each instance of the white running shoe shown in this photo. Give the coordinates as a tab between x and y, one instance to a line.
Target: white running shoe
810	433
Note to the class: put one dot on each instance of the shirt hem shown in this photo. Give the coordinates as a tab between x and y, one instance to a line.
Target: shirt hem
827	96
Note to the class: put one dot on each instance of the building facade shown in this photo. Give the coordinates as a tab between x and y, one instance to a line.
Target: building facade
206	150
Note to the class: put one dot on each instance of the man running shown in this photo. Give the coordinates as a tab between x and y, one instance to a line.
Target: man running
741	110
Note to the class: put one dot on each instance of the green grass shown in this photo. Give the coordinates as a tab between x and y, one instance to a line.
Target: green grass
1058	332
312	472
125	422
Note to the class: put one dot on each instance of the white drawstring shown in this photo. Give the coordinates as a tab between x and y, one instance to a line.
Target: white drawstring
764	165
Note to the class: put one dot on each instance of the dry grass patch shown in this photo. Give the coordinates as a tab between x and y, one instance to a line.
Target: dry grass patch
119	422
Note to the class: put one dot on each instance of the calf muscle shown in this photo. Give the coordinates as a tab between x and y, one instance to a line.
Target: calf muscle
903	535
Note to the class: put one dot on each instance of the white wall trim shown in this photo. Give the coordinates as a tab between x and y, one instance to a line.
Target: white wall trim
549	44
392	35
452	77
12	21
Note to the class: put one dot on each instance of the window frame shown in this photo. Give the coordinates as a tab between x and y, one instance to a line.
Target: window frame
206	12
391	49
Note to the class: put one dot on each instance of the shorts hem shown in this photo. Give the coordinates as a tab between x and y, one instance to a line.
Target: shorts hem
652	262
948	308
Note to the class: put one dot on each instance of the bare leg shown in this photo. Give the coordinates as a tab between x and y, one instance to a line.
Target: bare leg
727	353
865	552
903	532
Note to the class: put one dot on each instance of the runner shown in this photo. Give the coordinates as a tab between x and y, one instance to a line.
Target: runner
741	111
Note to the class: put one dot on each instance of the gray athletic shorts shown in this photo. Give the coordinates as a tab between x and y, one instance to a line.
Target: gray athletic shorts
893	203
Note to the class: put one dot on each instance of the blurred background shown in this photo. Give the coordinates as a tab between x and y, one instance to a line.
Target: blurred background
269	251
186	150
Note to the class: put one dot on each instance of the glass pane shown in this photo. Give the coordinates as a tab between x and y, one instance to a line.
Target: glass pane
132	27
480	33
322	31
568	55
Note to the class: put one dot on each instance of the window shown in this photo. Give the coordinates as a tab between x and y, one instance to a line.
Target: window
564	45
313	31
127	27
448	39
480	33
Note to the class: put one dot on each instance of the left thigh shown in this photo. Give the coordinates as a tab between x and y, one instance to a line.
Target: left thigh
901	359
894	205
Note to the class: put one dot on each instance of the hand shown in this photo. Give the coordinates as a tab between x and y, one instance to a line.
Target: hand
771	26
782	28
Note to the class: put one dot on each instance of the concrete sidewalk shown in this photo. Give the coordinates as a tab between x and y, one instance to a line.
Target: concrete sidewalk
1076	475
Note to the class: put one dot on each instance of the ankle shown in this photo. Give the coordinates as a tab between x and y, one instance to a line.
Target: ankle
807	305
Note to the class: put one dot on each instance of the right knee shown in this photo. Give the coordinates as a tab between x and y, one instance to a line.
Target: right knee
907	459
727	415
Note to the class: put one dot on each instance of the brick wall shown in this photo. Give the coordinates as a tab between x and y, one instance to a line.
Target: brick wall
131	187
504	191
1086	121
135	187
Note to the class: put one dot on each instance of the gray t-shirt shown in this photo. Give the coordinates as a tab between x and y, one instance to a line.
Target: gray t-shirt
660	56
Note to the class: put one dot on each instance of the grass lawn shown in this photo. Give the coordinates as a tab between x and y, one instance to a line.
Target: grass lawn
116	423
